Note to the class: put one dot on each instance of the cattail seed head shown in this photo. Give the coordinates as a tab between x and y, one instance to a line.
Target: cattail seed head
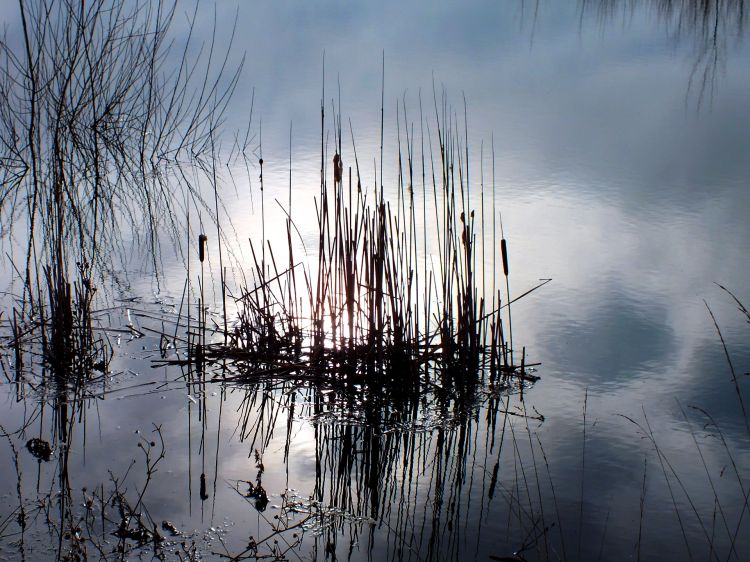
338	168
202	239
504	250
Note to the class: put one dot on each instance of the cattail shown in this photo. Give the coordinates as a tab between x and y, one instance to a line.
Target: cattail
202	239
338	168
504	250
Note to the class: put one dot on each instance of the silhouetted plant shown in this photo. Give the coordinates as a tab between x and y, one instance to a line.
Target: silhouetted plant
101	113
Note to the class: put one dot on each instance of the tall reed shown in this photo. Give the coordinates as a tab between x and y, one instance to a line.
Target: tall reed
370	274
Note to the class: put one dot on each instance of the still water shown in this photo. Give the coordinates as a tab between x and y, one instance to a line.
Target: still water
615	135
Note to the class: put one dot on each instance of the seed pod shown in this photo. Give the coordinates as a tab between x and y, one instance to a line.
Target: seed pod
504	250
202	239
338	168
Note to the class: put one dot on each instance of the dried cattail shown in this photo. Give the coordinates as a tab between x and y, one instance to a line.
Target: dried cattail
202	239
338	168
504	250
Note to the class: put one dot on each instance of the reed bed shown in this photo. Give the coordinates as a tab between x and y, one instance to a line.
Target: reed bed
399	291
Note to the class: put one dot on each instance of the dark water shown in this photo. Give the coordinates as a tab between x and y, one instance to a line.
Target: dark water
621	160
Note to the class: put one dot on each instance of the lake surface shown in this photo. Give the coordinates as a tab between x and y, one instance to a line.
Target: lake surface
612	138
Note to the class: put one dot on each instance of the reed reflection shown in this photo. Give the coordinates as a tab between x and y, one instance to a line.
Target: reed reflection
400	473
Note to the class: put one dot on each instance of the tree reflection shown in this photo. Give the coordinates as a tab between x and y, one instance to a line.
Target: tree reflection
713	27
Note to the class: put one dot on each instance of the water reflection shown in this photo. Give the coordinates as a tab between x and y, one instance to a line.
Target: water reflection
396	476
369	448
626	340
714	27
335	474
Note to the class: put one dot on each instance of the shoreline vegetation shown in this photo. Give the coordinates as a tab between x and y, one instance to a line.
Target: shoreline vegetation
104	116
394	342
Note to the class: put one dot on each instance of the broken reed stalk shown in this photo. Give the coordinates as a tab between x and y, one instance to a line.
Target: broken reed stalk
17	350
222	270
583	476
732	370
202	309
504	251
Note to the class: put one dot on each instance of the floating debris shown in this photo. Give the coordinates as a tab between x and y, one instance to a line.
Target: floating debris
40	448
171	528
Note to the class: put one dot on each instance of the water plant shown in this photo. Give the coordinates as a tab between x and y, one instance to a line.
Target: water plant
102	115
384	295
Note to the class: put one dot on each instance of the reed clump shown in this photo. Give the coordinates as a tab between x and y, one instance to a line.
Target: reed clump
102	118
396	285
